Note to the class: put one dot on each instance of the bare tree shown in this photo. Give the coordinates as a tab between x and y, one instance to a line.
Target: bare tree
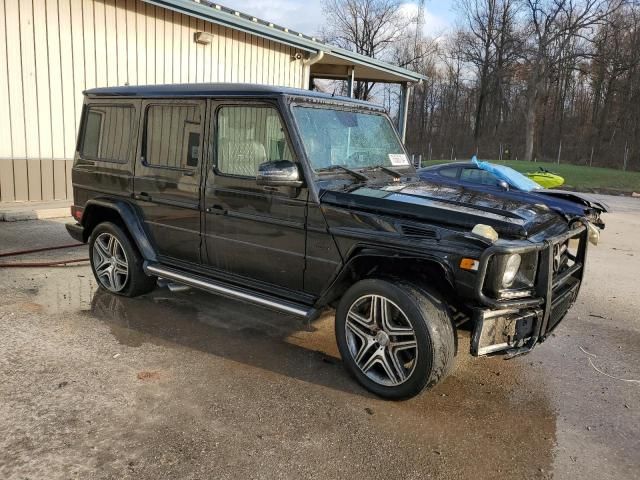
368	27
487	42
552	26
515	80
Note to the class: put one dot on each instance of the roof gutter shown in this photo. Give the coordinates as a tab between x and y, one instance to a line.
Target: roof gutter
313	58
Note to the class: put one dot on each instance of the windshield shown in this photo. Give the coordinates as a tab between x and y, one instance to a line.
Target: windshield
509	175
350	139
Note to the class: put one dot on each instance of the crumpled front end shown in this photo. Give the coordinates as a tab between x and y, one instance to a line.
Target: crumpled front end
516	319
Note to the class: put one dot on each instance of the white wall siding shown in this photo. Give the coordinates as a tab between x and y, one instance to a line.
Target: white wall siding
52	50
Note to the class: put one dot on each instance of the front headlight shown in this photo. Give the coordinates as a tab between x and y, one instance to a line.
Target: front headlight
511	270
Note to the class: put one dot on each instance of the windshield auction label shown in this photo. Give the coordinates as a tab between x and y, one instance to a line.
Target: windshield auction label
398	159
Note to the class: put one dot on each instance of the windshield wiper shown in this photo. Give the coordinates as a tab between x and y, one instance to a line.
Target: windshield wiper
390	171
357	175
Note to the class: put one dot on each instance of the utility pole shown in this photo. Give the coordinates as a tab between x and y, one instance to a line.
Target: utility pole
559	152
591	158
626	155
419	25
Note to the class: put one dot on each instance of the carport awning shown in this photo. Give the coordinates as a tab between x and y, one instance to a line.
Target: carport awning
336	62
337	65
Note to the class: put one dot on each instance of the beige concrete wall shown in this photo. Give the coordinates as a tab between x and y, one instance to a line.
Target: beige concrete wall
51	50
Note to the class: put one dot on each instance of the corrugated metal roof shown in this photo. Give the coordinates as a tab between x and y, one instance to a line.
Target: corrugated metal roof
227	17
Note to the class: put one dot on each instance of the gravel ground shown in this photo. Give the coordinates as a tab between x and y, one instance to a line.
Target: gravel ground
193	386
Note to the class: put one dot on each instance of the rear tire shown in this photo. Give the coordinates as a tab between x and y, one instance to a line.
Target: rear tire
395	339
116	262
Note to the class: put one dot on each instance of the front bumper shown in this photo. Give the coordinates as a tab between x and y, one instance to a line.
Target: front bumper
521	324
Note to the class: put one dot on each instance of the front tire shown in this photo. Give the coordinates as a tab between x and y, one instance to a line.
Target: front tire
116	262
395	339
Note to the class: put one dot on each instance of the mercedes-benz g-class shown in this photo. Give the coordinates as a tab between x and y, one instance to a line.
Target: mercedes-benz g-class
300	201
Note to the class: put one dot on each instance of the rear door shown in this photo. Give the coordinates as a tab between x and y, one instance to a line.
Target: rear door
252	232
167	176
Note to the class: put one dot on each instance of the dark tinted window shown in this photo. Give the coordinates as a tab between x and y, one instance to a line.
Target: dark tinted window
173	136
451	172
107	133
249	136
475	175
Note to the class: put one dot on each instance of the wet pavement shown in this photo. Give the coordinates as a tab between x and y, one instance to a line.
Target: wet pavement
190	385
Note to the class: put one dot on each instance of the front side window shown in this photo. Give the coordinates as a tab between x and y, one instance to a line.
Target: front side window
173	136
449	172
477	176
107	133
249	136
348	138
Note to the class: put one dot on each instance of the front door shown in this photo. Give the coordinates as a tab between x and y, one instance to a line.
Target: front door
251	231
167	176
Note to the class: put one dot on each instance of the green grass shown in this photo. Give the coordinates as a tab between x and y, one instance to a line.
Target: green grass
577	176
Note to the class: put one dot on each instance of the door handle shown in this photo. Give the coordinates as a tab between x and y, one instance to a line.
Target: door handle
216	210
143	196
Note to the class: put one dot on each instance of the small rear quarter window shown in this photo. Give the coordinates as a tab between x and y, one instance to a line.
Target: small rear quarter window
107	133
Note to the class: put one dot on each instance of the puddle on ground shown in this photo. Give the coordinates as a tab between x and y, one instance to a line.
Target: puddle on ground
492	411
63	292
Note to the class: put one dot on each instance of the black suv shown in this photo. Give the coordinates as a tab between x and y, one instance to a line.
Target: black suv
300	201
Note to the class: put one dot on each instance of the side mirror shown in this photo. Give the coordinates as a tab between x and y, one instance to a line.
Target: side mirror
281	173
503	185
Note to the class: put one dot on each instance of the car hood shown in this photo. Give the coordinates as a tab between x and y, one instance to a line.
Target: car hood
446	204
584	199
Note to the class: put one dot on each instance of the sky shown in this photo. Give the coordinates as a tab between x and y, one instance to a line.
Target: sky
306	16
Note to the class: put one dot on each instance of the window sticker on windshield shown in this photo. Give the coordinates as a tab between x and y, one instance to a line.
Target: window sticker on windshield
398	159
393	188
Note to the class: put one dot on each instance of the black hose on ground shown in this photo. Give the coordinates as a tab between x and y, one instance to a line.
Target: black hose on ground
53	263
36	250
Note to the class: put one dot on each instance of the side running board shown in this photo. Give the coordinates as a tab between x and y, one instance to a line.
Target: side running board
228	290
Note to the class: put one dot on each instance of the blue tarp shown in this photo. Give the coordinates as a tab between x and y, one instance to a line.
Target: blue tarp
513	178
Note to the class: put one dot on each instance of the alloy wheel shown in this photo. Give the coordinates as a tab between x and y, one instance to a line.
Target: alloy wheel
110	262
381	340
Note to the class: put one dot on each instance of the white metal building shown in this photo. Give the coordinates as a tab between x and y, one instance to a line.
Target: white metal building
52	50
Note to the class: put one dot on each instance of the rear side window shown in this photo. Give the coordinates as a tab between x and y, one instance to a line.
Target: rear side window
173	136
107	133
249	136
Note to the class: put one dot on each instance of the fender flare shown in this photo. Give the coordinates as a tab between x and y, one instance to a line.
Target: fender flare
131	220
364	252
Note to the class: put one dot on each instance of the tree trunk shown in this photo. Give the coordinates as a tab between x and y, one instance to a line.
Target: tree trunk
478	120
530	122
534	88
